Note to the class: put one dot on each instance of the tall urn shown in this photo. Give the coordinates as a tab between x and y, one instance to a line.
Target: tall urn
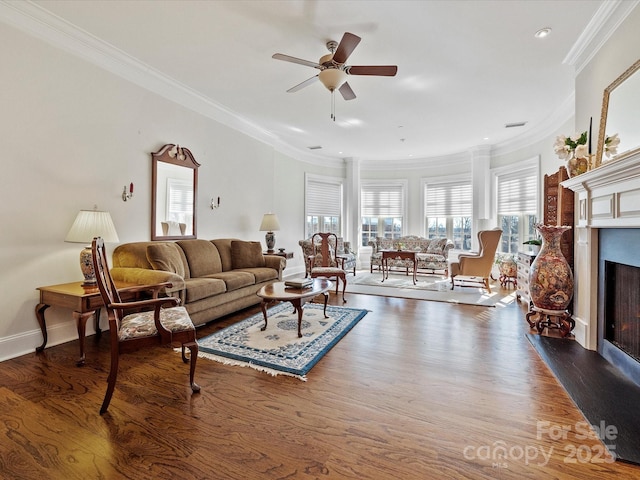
550	276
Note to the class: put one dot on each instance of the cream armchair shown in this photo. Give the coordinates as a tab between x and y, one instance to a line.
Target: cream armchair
476	268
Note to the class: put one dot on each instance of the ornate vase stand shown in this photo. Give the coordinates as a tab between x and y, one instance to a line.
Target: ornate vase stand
541	318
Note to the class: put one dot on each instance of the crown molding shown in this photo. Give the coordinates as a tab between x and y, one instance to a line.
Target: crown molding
40	23
602	25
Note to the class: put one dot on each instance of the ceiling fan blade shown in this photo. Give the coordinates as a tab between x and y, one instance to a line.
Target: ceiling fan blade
347	45
346	92
300	86
381	70
300	61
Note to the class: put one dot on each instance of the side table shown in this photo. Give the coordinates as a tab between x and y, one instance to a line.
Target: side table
84	301
279	253
398	255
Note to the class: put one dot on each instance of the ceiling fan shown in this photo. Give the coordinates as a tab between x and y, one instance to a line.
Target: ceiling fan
333	71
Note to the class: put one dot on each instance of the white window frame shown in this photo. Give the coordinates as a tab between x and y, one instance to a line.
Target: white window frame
526	167
443	181
315	207
403	184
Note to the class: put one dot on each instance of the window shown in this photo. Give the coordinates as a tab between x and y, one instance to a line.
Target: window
323	205
382	207
517	207
180	202
448	207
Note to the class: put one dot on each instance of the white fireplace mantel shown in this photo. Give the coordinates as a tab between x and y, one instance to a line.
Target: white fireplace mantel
606	197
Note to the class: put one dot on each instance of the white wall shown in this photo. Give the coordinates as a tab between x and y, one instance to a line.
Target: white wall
73	136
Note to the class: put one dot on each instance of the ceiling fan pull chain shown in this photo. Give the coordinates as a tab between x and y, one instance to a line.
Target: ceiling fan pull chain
333	105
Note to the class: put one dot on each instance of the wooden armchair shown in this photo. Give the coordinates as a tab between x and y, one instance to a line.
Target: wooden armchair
325	262
476	268
153	324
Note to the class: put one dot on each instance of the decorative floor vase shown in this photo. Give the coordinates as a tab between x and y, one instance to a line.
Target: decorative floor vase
550	276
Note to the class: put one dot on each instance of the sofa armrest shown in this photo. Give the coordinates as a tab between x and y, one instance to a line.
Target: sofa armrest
276	262
374	246
347	248
145	276
448	246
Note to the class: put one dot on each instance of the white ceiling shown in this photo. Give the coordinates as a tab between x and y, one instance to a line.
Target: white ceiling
465	68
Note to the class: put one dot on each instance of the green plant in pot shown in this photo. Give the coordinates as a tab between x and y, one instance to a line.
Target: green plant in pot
534	243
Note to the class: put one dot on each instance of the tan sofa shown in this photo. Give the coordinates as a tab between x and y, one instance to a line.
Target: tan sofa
433	253
212	277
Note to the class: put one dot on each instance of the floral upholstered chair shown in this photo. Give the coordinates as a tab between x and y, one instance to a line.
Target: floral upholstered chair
324	260
343	251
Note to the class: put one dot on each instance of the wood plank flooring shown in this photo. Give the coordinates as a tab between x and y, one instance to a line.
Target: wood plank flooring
417	390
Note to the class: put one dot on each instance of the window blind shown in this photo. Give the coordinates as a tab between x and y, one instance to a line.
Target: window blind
323	198
448	199
379	200
517	192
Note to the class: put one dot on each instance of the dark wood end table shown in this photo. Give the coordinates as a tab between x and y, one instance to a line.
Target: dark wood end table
400	255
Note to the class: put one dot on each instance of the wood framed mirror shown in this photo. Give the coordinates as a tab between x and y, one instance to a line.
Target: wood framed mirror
620	107
174	192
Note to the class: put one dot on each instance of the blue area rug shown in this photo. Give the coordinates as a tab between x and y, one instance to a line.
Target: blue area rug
278	350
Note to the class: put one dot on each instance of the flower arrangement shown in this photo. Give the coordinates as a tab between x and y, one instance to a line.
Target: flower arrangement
611	145
574	146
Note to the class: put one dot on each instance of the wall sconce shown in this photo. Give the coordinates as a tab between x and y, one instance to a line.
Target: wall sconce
127	195
215	203
177	152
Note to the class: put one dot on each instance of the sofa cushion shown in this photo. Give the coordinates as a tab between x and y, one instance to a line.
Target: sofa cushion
437	245
262	274
166	257
202	257
199	288
235	279
224	249
246	254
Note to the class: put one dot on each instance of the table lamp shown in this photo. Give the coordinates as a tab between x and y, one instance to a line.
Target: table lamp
87	225
270	224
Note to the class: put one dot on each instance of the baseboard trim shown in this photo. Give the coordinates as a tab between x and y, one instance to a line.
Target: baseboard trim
25	343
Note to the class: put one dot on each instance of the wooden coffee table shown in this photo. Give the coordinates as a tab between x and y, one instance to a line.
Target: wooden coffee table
279	292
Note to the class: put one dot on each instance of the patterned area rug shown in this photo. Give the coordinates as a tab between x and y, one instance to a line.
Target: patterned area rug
428	287
278	350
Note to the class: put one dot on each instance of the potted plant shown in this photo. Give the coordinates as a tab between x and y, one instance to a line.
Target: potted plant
507	267
534	244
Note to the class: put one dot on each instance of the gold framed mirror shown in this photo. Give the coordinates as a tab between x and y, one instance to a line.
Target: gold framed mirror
174	192
620	107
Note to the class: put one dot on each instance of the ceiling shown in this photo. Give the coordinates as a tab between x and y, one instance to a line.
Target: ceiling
465	68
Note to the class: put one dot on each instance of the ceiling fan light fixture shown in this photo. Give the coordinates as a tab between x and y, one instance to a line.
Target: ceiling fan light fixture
332	78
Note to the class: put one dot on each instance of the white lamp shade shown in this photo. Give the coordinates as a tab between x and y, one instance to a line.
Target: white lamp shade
269	223
92	223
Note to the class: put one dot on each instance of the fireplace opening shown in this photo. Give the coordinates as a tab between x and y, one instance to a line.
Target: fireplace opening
622	307
619	299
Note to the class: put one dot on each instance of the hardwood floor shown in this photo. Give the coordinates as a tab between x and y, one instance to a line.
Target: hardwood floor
416	390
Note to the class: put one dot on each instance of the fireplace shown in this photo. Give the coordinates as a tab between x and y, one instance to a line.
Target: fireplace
606	261
619	299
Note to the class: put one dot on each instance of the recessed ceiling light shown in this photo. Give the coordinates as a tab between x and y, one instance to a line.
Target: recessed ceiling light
543	32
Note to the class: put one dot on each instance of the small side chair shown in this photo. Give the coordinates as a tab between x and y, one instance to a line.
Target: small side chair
157	321
325	262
